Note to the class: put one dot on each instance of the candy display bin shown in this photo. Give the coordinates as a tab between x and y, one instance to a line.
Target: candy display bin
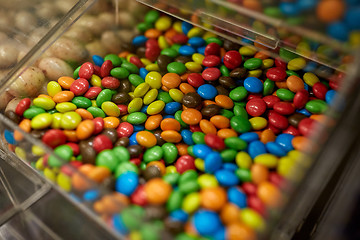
109	28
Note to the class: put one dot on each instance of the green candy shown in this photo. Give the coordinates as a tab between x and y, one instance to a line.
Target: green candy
268	87
126	167
240	111
170	152
121	153
188	176
291	73
184	236
65	152
76	72
171	178
165	97
81	102
119	72
214	40
115	59
143	166
135	80
132	68
136	118
179	119
316	106
198	137
176	67
153	154
285	94
151	16
227	113
175	201
190	151
243	174
253	63
238	94
189	187
132	216
33	111
142	27
149	231
287	55
228	155
273	12
224	71
96	112
235	143
108	159
169	52
52	111
240	124
104	96
176	47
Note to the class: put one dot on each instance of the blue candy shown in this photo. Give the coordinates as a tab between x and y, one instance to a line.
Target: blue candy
91	195
226	178
220	234
196	42
352	18
253	85
306	87
138	127
230	166
143	72
206	222
127	183
201	50
310	67
9	137
168	116
237	197
132	139
179	215
284	140
256	148
304	111
207	91
275	149
186	135
249	137
172	107
119	225
98	60
213	162
144	109
330	96
139	40
306	4
289	8
186	50
339	31
186	27
201	150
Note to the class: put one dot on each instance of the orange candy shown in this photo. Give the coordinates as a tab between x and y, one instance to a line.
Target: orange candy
85	114
300	143
171	80
330	10
146	139
267	136
269	194
213	198
152	33
78	180
239	231
182	148
44	96
224	101
65	82
153	122
294	83
261	55
220	121
111	122
99	174
259	173
230	213
24	125
208	102
186	88
157	191
171	136
191	116
281	85
207	127
63	96
85	129
170	124
226	133
71	135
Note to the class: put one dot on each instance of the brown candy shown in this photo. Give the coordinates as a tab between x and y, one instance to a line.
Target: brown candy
124	141
191	100
227	82
222	91
153	212
125	86
12	116
135	151
238	73
295	119
121	98
183	59
151	172
210	110
163	61
111	133
159	140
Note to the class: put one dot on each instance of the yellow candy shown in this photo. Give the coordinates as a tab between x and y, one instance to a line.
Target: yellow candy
95	81
141	90
177	26
195	32
40	164
64	181
243	160
70	120
135	235
65	107
53	88
354	38
20	153
129	56
296	64
310	79
41	121
176	95
110	109
162	42
154	79
152	67
200	164
267	160
49	174
252	219
150	96
198	58
247	51
207	181
171	169
37	151
285	166
304	49
209	35
267	63
131	94
124	118
56	120
191	202
155	107
193	66
145	61
255	73
44	103
93	103
135	105
163	23
258	123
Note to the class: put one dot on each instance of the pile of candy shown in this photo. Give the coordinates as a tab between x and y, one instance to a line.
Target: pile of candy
195	134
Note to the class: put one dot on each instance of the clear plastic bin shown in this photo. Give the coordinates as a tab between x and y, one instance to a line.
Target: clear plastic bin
228	20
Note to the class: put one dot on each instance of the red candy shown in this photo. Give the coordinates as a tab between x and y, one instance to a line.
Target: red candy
184	163
93	92
249	188
253	96
301	98
284	108
152	43
256	107
212	49
276	74
211	74
110	83
180	39
292	130
195	128
320	90
102	142
256	204
79	86
123	109
214	141
278	120
232	59
276	179
86	70
195	79
135	161
22	106
54	138
97	70
125	129
306	126
136	61
211	61
271	100
106	68
280	63
99	125
75	147
152	53
139	196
